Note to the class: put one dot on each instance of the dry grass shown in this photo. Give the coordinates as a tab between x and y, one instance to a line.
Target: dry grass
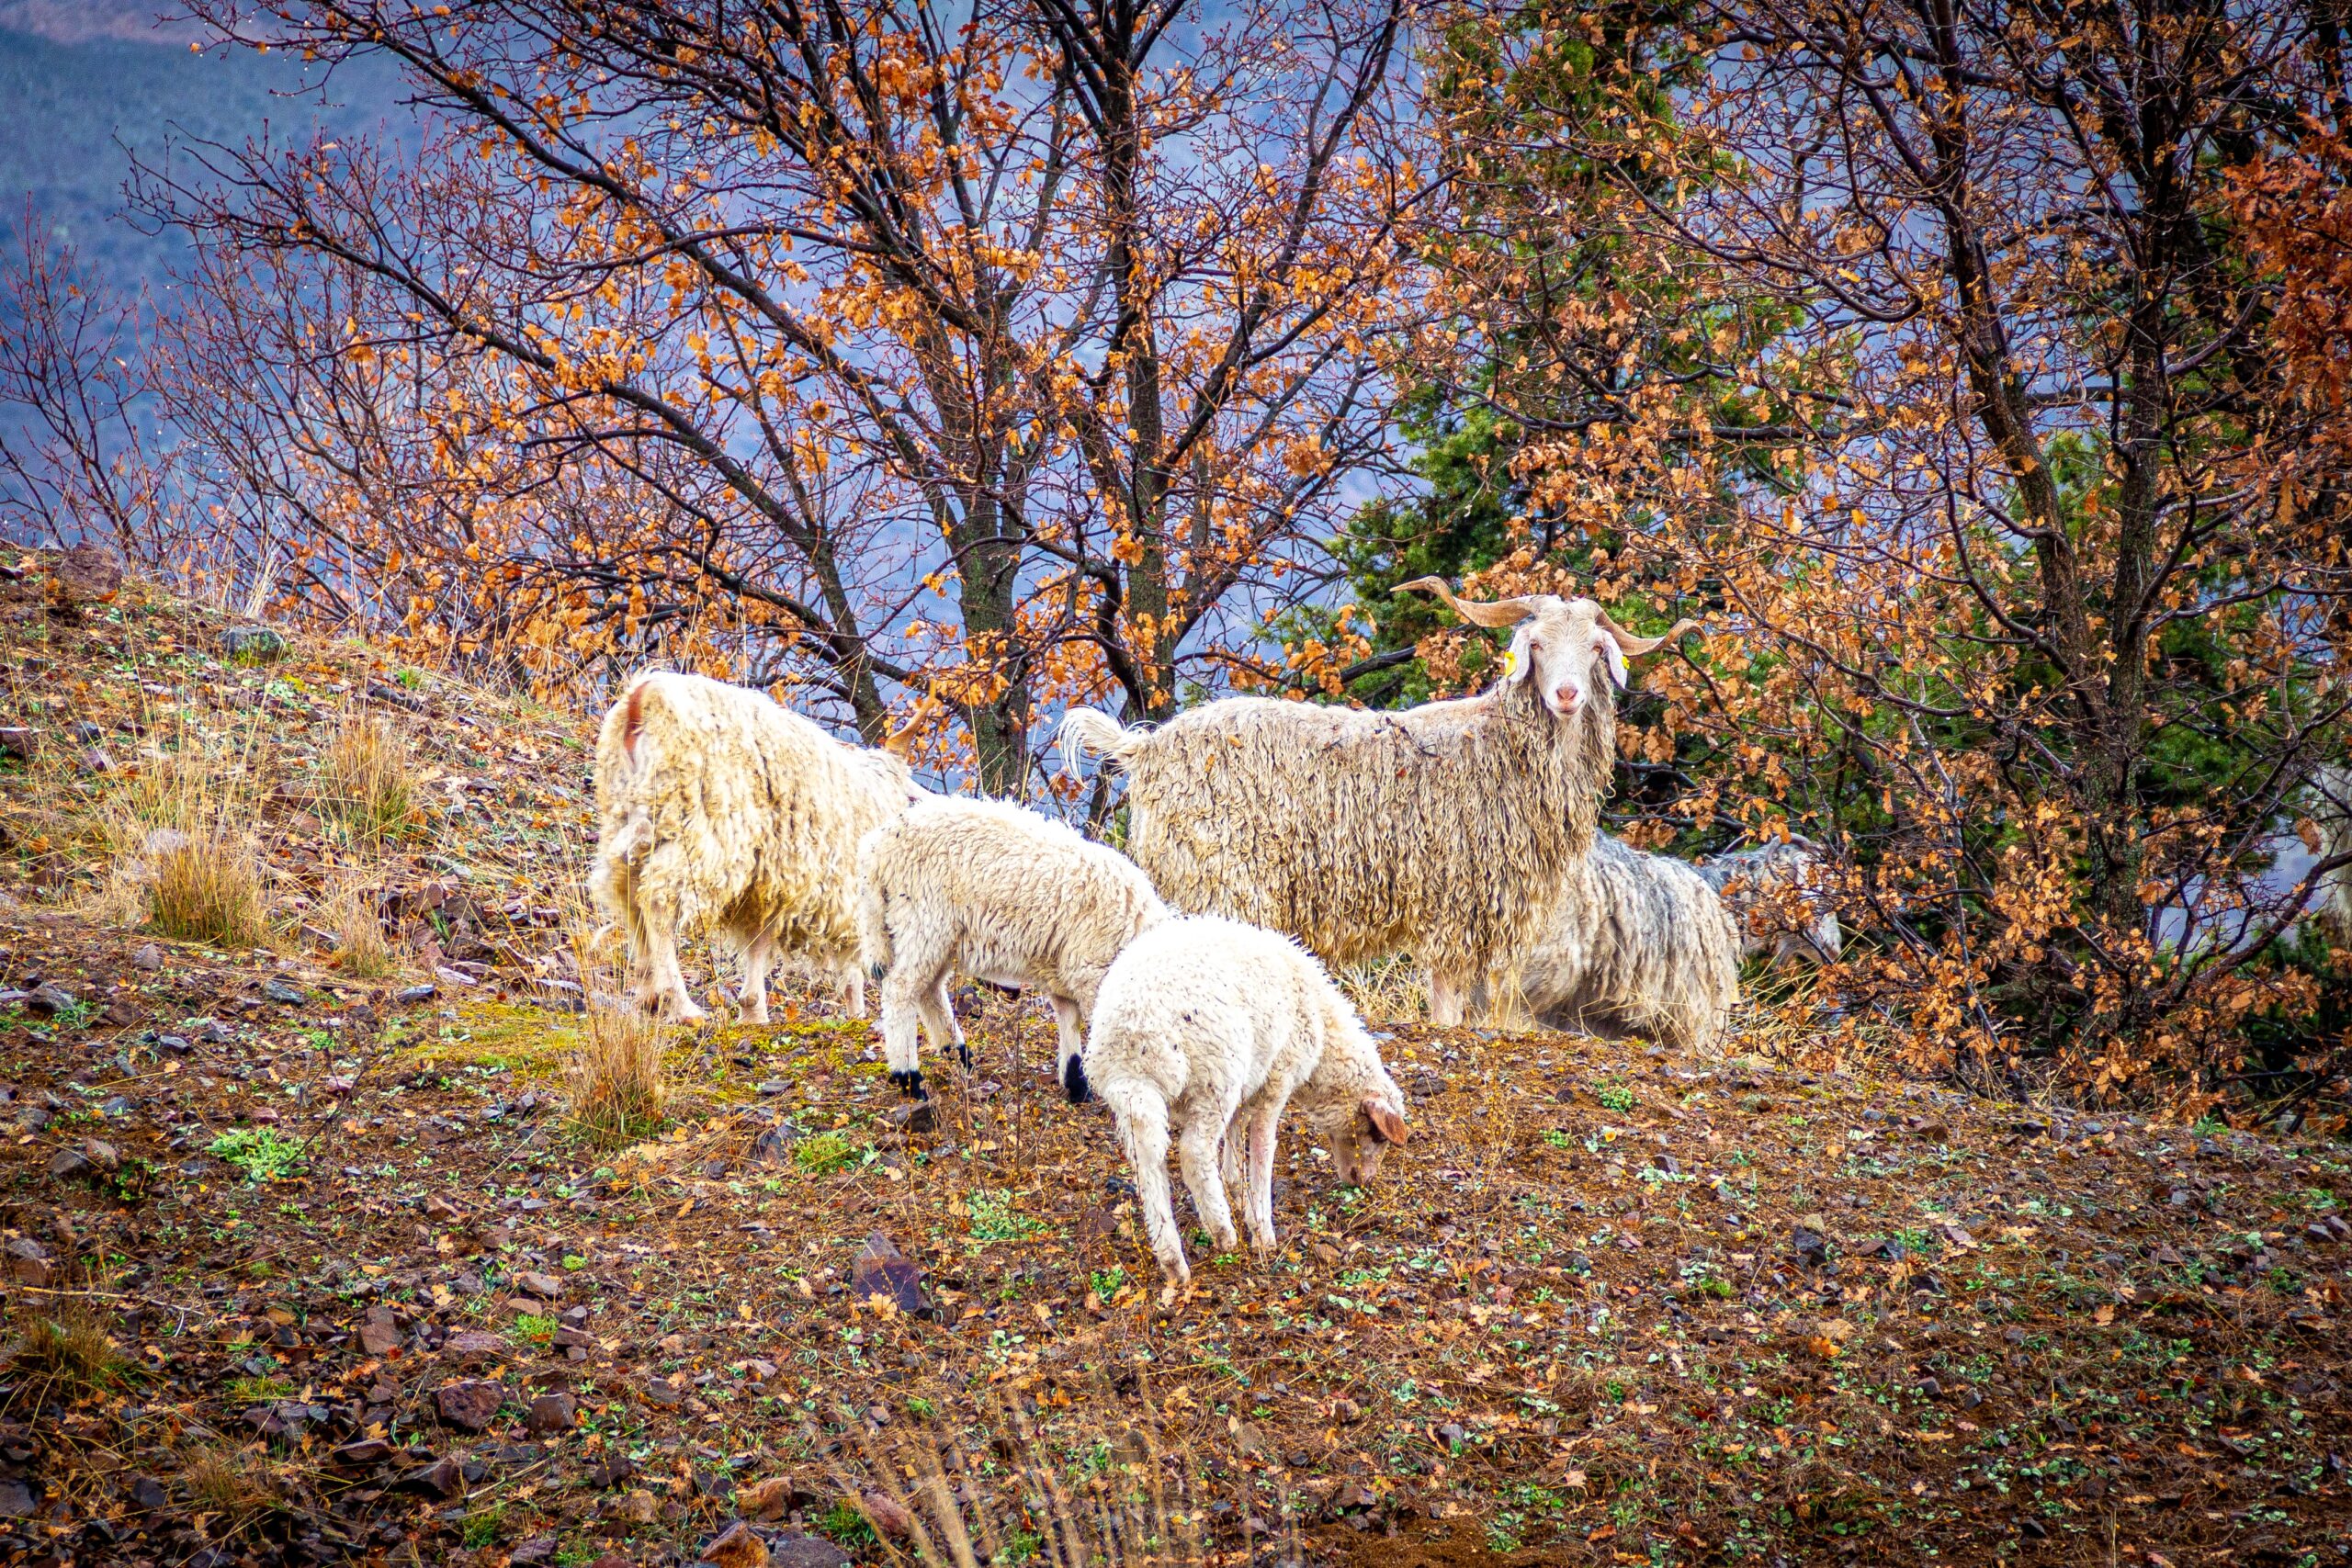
62	1352
186	864
232	1483
366	780
613	1079
361	948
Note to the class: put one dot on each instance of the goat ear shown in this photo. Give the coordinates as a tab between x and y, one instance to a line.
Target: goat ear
1517	660
1387	1123
1618	673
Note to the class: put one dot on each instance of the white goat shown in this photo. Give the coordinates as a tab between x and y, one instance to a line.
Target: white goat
1778	893
1442	830
1210	1027
1639	944
1004	895
2332	814
716	806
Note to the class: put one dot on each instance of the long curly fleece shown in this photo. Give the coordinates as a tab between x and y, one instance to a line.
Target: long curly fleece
718	808
1639	944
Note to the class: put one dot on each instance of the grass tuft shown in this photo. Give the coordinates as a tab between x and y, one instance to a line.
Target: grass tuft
361	949
615	1079
367	780
186	862
63	1351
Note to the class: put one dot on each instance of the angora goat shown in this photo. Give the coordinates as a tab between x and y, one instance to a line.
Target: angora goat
1440	832
2333	815
1776	893
716	806
1639	944
1007	896
1210	1027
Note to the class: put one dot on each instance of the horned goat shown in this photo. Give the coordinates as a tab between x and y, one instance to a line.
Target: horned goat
1210	1028
1004	895
1639	944
1778	894
718	807
2333	815
1444	830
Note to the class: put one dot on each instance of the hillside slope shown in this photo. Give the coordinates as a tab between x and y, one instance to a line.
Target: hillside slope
306	1267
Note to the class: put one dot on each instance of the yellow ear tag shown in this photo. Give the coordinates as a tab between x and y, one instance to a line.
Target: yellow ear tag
1510	662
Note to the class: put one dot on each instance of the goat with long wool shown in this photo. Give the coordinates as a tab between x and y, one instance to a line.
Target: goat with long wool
1778	893
1006	895
1639	944
1446	830
2332	814
719	807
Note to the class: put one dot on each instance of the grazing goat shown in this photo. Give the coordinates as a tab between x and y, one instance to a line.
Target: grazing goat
1444	830
1776	894
1210	1027
1639	944
716	806
1004	895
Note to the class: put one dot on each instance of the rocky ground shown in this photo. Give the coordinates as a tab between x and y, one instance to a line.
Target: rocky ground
306	1267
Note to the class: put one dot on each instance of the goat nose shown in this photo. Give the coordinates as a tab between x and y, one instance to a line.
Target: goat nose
1565	699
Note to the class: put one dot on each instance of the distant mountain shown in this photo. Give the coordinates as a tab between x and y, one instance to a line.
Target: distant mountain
83	83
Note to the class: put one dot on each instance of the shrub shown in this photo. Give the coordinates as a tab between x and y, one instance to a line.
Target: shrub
366	780
614	1078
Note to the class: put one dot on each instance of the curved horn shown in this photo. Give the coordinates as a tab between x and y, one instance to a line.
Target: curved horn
1633	647
1497	612
897	743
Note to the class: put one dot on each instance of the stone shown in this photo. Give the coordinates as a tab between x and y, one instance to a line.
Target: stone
443	1478
883	1512
661	1392
474	1346
883	1271
458	977
409	996
532	1553
148	1495
284	991
380	1338
469	1404
93	759
68	1165
737	1546
28	1261
547	1287
635	1506
798	1549
1812	1250
436	1207
88	734
768	1499
364	1452
102	1155
148	957
17	1499
88	574
19	742
774	1145
50	998
33	1117
552	1413
915	1116
256	645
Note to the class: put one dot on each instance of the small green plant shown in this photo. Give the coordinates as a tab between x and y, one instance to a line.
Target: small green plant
1558	1139
1615	1096
484	1527
1108	1283
259	1390
919	1407
994	1218
533	1329
1021	1546
260	1154
844	1525
410	679
824	1154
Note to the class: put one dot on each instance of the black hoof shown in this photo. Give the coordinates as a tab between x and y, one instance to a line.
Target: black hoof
963	1055
1074	1082
909	1084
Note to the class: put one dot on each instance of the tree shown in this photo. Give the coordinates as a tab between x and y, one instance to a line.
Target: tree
1001	360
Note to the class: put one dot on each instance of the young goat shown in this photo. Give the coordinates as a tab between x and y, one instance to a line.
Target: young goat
1209	1027
1004	895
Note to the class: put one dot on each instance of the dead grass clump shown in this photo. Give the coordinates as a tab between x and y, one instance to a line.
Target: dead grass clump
186	862
361	948
613	1079
232	1483
1384	990
366	780
62	1352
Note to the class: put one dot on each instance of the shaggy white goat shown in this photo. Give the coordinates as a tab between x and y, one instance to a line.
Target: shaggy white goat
716	806
1004	895
1444	830
1640	944
1776	894
2333	815
1210	1027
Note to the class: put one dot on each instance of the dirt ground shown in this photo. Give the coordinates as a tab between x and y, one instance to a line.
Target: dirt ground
303	1266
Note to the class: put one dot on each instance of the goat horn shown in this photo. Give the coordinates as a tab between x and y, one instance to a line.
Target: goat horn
1497	613
897	743
1633	647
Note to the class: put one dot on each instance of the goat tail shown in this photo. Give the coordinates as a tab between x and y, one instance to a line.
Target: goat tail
1091	730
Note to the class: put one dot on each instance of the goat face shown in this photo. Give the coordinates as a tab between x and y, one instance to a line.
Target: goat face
1358	1143
1569	647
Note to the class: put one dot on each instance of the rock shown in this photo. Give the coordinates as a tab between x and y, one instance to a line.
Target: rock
50	998
458	977
436	1207
883	1271
771	1088
774	1145
19	742
797	1549
663	1393
532	1553
442	1478
380	1338
148	1495
17	1500
364	1452
552	1413
915	1116
737	1546
611	1560
883	1512
102	1155
87	574
469	1404
68	1165
284	992
93	759
768	1499
1812	1250
547	1287
635	1506
253	644
88	734
409	996
28	1261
